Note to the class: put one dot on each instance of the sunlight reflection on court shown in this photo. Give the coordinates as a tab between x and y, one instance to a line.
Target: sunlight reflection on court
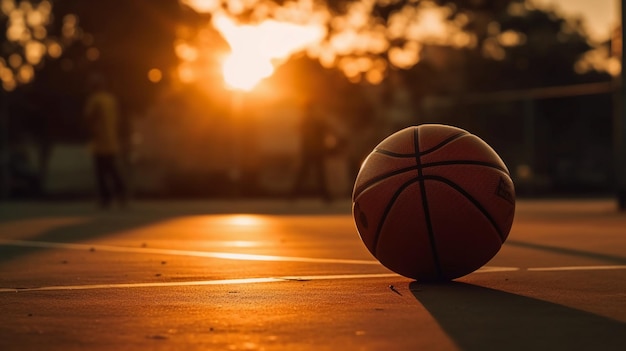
241	243
245	220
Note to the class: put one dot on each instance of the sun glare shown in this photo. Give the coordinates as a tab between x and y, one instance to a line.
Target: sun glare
256	50
243	72
244	220
352	41
203	5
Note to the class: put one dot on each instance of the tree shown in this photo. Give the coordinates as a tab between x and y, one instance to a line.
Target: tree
50	47
437	47
28	42
129	41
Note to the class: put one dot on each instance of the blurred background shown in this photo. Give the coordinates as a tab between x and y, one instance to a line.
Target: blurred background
212	93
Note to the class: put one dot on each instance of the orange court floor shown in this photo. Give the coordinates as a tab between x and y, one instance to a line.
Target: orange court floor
279	275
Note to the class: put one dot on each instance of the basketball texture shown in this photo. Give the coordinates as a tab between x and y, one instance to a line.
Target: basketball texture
433	202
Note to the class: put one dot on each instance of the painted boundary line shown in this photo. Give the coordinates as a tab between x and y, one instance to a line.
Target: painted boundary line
248	257
486	269
230	281
205	254
575	268
200	282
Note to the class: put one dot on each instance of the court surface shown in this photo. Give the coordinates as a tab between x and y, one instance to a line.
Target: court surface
272	275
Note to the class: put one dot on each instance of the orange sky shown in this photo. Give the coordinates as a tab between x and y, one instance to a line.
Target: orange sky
600	15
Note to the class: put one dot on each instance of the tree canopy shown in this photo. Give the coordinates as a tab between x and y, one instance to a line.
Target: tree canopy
438	46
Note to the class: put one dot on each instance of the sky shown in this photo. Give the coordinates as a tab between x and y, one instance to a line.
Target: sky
601	16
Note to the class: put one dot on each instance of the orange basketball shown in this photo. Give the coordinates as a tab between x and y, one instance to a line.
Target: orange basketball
433	202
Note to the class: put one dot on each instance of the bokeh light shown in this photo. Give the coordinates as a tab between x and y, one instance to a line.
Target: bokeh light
34	51
155	75
15	60
92	54
55	50
352	41
27	33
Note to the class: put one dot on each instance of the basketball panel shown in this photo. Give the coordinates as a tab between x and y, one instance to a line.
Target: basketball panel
404	244
369	206
432	135
400	142
493	190
466	148
465	240
377	165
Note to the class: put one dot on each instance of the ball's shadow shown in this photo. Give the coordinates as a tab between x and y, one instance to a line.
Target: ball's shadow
479	318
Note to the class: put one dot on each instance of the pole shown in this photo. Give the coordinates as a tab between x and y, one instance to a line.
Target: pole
620	121
4	146
529	139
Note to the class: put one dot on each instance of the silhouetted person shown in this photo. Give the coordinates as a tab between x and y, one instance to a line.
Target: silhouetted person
103	117
23	177
314	133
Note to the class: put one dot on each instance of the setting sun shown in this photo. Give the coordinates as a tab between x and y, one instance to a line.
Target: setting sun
243	72
256	50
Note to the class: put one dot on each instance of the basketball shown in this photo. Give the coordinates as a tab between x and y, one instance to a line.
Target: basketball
433	202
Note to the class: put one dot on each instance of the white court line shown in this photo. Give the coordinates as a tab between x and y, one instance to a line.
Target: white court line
206	254
493	269
223	255
575	268
229	281
485	269
200	282
236	256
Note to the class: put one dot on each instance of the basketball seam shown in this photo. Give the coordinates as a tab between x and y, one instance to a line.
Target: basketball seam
466	162
393	199
417	153
425	208
421	180
393	154
443	143
358	191
446	181
370	183
472	199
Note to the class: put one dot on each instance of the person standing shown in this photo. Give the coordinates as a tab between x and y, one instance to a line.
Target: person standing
102	115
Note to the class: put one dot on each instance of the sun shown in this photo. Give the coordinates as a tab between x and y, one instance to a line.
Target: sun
257	49
243	72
